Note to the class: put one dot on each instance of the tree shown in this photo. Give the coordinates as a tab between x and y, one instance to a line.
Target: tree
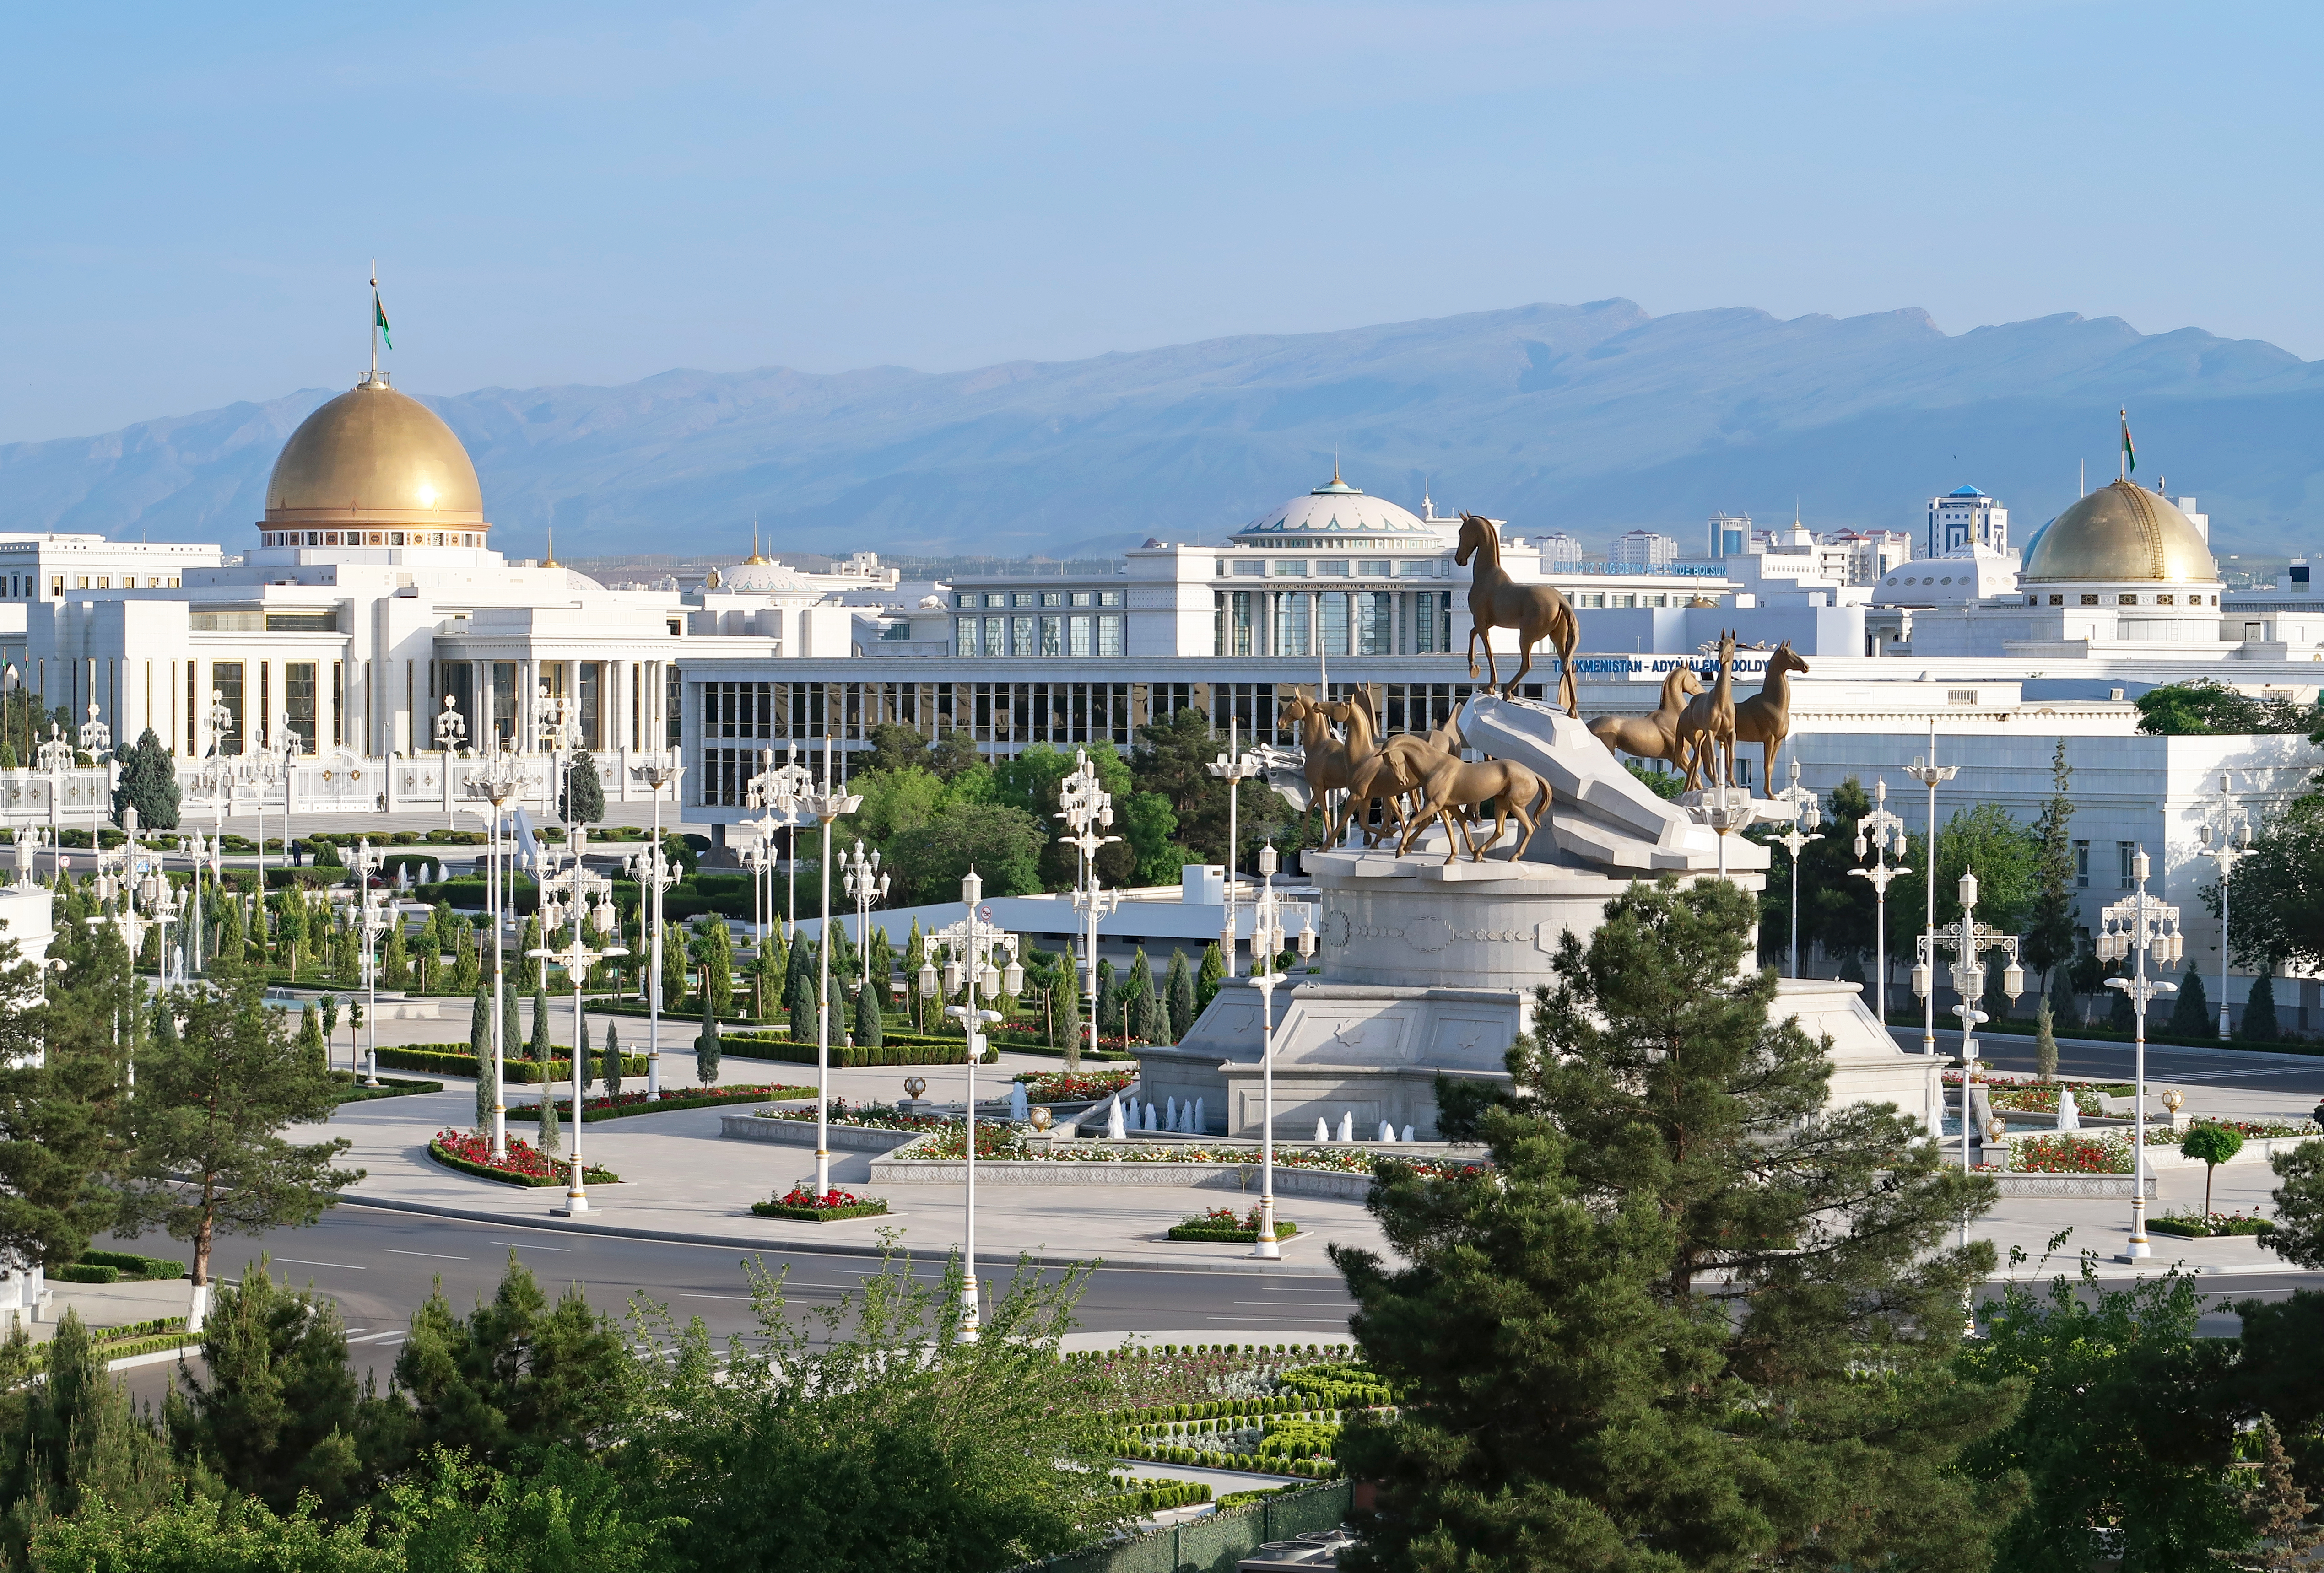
894	748
467	961
149	780
955	754
200	1535
2191	1016
2002	852
674	954
1692	1318
208	1154
538	1048
1152	1018
2275	1510
272	1411
2207	708
712	950
2258	1025
1180	989
1065	1012
1003	845
610	1065
512	1026
583	801
2299	1200
60	1098
2046	1041
1207	981
480	1027
706	1047
2122	1429
310	1038
2050	937
551	1139
2279	895
769	971
894	802
528	940
1108	1002
2211	1145
1172	758
801	984
870	1029
73	1439
395	957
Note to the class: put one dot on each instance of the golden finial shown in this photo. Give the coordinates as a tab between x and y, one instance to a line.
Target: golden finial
551	561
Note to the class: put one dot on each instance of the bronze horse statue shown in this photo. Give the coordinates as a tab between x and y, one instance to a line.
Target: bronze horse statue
1766	718
1656	736
1537	612
1709	719
1447	784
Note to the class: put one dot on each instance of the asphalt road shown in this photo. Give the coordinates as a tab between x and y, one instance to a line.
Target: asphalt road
2298	1076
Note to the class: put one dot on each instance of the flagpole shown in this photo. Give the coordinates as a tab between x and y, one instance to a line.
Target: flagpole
374	319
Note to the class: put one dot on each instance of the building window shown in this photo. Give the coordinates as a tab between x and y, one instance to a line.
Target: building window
964	644
1078	642
2163	599
964	598
2125	852
504	702
2126	600
225	682
1025	598
1331	569
56	584
1375	623
1021	634
1291	629
1332	622
1081	598
1053	635
80	581
1416	568
299	706
1053	598
1249	570
1373	569
2081	865
593	694
1109	635
736	710
993	643
1291	568
2090	601
1109	598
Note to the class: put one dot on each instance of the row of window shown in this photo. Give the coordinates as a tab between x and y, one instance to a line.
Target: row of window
371	537
23	586
1051	634
1331	622
2168	598
1036	598
2124	852
1335	567
1602	600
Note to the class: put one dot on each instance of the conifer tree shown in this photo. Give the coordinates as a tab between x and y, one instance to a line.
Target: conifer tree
674	965
2046	1041
1067	1012
1109	999
1206	981
1678	1244
480	1027
512	1026
1180	989
610	1065
310	1038
712	954
539	1050
77	1439
2258	1025
1152	1020
770	972
915	951
62	1095
467	959
552	1141
801	989
583	801
870	1029
149	779
2191	1013
706	1048
395	957
527	941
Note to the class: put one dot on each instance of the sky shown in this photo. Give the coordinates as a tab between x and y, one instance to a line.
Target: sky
190	197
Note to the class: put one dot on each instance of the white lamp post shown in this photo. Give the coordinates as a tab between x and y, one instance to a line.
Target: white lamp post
577	958
1805	818
55	757
491	787
655	875
1882	834
1087	808
868	887
1968	940
2226	845
1266	939
1234	766
974	948
1724	807
2137	927
375	910
827	805
1932	775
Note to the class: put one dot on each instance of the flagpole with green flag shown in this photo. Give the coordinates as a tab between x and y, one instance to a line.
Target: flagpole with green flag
379	329
2129	453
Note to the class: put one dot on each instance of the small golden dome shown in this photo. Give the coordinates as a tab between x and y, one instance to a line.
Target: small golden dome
373	455
2121	533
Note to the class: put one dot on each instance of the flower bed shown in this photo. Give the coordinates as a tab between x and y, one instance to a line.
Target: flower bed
2196	1226
525	1165
1222	1226
832	1206
622	1105
2066	1154
871	1116
2256	1130
862	1056
1074	1086
1009	1142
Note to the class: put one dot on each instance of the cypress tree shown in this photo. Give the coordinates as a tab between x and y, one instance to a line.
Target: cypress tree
480	1026
1180	988
527	941
583	801
539	1050
674	989
467	961
2046	1041
1109	999
1613	1349
609	1066
1213	974
310	1039
705	1048
394	957
2258	1025
149	779
714	953
2191	1013
770	972
1067	1012
799	987
870	1029
1152	1021
512	1028
552	1141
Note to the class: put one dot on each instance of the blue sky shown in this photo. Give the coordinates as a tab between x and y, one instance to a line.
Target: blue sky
582	193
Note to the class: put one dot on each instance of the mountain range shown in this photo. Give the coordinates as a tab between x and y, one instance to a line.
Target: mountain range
1592	418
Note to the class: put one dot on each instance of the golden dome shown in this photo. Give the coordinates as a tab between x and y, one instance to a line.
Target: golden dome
2121	533
374	456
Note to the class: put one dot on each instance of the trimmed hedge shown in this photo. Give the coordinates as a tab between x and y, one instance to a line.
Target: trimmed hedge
132	1265
874	1208
453	1060
350	1090
783	1052
671	1102
1284	1230
78	1272
1162	1495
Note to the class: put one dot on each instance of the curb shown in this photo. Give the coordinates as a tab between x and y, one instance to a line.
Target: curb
1232	1266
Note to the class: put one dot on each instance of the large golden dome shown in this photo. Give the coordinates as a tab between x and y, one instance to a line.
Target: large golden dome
2121	533
373	455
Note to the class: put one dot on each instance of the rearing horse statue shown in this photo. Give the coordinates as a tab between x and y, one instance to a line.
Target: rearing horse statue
1537	612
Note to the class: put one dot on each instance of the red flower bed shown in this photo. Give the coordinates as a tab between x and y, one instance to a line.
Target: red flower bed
525	1165
1076	1086
673	1100
2071	1154
801	1202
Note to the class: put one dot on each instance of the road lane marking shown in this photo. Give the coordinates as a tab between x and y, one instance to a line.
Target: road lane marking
432	1255
1306	1318
521	1245
303	1262
375	1338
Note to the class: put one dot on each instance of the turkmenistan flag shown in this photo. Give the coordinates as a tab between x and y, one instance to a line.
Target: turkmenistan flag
379	315
2129	453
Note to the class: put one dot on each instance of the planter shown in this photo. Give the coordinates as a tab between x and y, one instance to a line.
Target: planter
1283	1231
2060	1185
800	1133
2192	1229
520	1152
820	1214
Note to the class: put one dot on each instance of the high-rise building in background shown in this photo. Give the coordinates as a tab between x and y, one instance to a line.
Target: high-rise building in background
1641	550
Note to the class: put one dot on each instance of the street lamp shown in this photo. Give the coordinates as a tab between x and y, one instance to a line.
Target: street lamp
55	757
1882	833
2137	927
1087	808
1234	766
869	887
1932	775
491	789
1266	939
96	743
577	958
1801	830
1968	940
655	875
1723	805
974	947
2226	846
374	910
451	727
827	805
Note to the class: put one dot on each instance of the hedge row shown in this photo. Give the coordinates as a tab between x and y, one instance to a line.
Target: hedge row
670	1102
1226	1236
862	1056
131	1264
873	1209
1218	1408
1163	1495
122	1349
453	1060
1248	1463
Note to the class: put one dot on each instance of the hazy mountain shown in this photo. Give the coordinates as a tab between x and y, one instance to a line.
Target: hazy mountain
1591	419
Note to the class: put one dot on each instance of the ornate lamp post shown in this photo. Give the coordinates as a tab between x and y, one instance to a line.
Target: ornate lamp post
973	948
54	758
1266	939
451	728
491	787
1882	833
2226	845
1801	830
556	732
1723	807
1932	775
1087	808
374	911
868	887
828	805
1234	766
577	958
787	790
654	876
1968	940
2139	926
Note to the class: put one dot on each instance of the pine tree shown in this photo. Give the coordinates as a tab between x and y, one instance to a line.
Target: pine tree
467	959
1180	988
1065	1010
78	1440
2191	1013
539	1049
609	1066
395	957
511	1024
1207	981
801	984
870	1029
1109	1000
769	971
583	801
552	1139
674	989
1152	1021
2275	1510
2050	939
915	954
527	941
480	1027
1582	1331
706	1048
310	1039
149	779
712	954
2258	1025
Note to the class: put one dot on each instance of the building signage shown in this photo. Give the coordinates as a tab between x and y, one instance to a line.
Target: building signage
1657	668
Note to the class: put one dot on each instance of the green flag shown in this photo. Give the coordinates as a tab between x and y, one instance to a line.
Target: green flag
2129	453
379	315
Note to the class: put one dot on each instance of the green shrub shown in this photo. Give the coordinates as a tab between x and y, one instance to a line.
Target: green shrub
77	1273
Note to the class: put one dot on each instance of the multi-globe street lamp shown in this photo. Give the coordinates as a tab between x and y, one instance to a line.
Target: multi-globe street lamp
827	805
1234	766
2139	926
1087	808
1932	775
1799	829
2226	845
1968	940
655	875
976	951
1268	939
1881	836
867	887
577	958
492	787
